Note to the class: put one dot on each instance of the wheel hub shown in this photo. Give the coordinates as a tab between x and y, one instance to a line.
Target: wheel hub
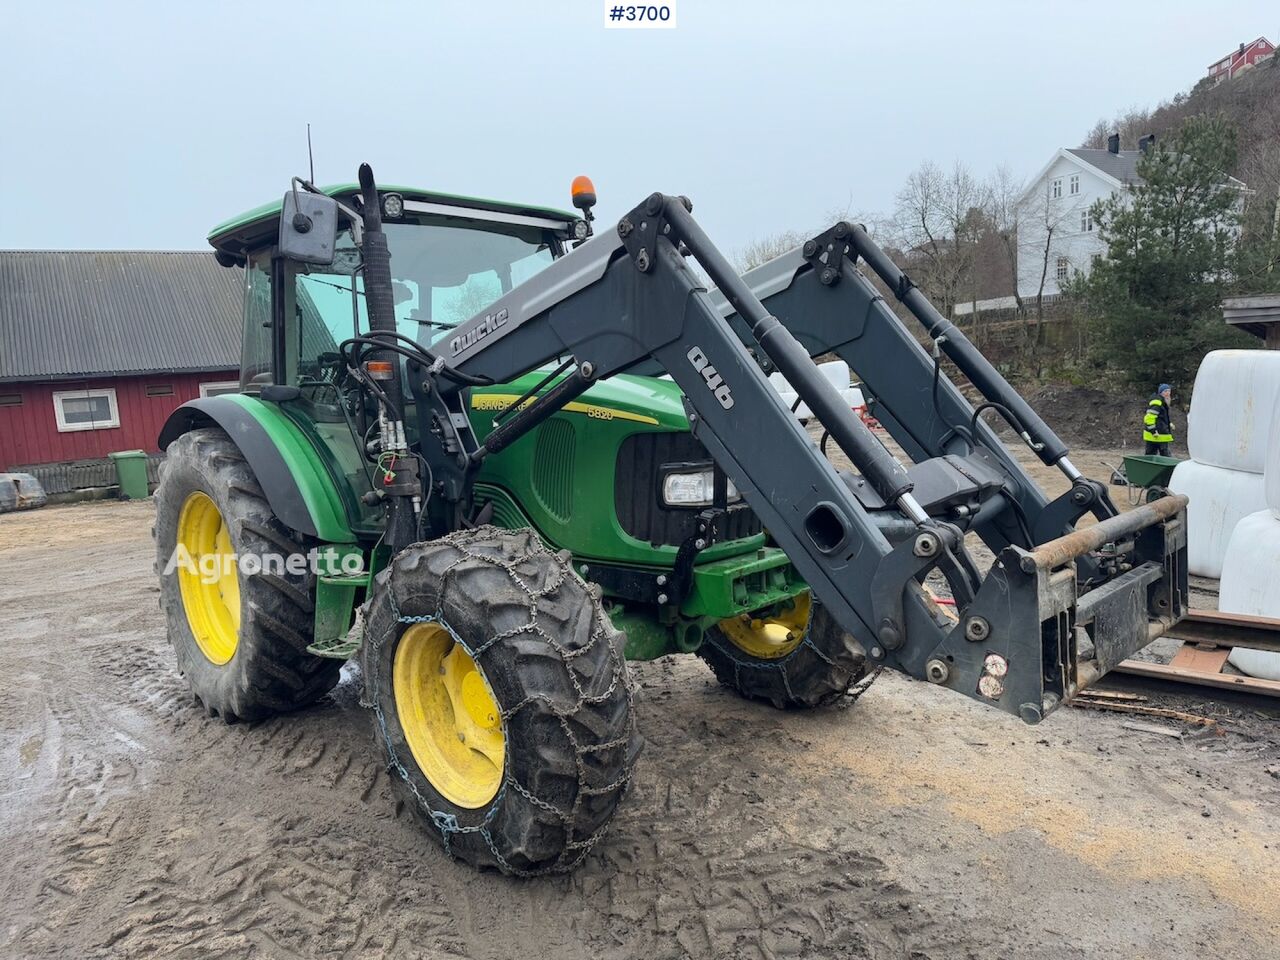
208	578
770	637
450	719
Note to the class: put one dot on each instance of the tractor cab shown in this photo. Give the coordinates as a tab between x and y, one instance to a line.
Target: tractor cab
451	256
615	477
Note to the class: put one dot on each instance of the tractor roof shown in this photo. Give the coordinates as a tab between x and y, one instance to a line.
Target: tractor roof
253	227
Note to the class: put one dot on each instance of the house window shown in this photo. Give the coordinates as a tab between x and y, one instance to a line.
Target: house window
86	410
1086	221
1063	266
219	387
1075	184
10	399
1055	188
159	389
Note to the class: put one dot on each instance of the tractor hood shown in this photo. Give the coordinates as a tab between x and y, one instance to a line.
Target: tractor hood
648	400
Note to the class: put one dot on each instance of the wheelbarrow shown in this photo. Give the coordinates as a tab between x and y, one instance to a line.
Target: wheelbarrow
1144	472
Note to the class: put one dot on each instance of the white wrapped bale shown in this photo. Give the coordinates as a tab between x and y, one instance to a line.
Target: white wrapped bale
1271	486
1250	585
1231	406
836	371
1219	500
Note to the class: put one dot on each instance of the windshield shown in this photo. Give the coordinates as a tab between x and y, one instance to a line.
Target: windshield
443	272
448	274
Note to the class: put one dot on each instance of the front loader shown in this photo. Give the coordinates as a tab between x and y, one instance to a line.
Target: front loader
451	408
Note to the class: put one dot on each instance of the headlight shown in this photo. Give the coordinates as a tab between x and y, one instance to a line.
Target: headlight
693	489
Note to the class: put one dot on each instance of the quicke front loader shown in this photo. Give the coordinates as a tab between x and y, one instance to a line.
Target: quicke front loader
454	458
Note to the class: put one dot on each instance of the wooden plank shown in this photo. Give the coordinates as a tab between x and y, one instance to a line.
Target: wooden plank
1227	630
1222	681
1084	701
1200	658
1097	694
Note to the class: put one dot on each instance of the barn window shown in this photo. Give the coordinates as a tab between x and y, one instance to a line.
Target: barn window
86	409
219	388
159	389
1063	266
10	399
1075	184
1055	188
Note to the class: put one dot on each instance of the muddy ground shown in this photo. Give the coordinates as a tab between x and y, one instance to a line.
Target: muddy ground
910	824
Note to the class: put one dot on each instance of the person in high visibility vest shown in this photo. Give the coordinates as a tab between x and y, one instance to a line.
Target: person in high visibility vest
1157	426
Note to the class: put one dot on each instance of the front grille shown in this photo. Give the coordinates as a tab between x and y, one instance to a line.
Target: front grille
637	491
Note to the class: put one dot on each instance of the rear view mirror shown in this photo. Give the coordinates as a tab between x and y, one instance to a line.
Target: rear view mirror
308	227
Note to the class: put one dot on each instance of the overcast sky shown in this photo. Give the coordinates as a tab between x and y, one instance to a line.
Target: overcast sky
140	125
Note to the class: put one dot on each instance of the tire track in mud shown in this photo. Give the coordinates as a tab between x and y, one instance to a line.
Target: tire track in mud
281	839
137	827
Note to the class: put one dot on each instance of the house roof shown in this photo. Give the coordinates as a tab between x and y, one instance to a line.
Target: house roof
1122	166
1119	168
72	313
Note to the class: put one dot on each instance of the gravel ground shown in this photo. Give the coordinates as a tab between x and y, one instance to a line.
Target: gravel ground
910	824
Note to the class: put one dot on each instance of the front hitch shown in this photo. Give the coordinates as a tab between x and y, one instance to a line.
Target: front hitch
1020	645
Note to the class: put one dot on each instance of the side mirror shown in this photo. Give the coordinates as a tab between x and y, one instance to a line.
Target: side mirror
308	227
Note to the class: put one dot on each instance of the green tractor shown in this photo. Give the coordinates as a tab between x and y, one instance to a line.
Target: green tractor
457	456
493	628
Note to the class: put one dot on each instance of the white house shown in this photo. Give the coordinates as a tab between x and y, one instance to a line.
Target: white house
1057	238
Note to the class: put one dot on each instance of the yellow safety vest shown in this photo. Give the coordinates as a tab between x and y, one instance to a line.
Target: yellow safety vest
1149	421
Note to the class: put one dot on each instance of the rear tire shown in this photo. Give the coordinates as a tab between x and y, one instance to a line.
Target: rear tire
555	718
259	666
817	670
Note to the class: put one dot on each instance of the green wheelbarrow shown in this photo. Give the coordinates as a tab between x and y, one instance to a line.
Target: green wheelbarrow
1144	472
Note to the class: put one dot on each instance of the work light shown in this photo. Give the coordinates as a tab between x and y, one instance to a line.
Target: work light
693	489
392	205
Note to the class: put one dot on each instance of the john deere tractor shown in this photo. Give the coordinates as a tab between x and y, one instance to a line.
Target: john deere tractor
492	456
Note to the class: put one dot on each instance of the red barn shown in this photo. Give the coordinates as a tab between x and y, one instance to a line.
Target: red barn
1243	58
98	347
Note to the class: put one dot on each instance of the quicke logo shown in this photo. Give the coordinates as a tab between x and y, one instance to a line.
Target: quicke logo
715	382
488	325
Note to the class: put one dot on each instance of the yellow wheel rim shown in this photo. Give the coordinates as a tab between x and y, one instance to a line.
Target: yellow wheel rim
209	581
770	637
449	717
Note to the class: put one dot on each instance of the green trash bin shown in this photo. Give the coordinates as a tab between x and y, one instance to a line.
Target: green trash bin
131	470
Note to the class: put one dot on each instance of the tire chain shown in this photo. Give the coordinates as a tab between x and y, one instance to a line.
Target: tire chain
447	823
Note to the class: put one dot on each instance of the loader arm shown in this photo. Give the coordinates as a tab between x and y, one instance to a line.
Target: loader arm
862	541
818	293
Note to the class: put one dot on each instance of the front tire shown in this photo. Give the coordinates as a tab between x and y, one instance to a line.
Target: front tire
794	657
501	699
240	640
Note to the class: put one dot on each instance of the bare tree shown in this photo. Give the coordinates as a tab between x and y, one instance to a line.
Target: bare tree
766	248
1131	125
1043	220
1005	209
934	226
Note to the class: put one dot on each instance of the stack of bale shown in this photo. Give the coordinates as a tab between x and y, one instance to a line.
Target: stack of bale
1227	432
1251	568
836	372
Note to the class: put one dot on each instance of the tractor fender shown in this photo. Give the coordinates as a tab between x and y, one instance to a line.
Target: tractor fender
288	468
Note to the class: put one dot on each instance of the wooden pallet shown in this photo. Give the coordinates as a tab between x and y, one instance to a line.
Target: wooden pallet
1208	638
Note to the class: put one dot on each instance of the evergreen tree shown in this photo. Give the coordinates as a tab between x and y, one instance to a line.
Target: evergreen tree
1171	247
